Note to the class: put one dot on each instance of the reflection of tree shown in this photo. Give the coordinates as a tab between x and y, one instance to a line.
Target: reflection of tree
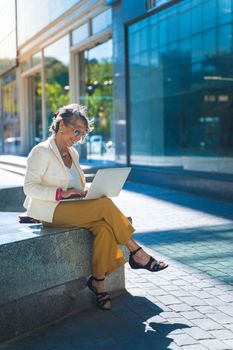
98	79
57	81
55	96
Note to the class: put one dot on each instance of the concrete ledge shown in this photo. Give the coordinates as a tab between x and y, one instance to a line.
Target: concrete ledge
11	199
43	275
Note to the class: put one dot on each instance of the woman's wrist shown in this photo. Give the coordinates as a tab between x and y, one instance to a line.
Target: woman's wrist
58	194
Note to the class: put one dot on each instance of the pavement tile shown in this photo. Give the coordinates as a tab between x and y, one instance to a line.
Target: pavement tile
226	297
222	334
207	324
229	326
228	309
191	315
198	333
229	342
206	309
183	339
214	291
169	315
180	293
158	291
194	347
214	344
168	299
215	301
201	294
221	318
181	307
173	346
193	301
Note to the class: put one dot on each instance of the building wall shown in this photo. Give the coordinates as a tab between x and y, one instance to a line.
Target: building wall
53	38
179	84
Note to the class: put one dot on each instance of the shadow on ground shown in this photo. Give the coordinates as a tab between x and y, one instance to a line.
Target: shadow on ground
130	325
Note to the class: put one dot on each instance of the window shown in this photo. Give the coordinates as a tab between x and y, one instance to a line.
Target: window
80	34
101	21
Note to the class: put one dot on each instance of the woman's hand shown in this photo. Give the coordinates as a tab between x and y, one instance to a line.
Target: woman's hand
73	192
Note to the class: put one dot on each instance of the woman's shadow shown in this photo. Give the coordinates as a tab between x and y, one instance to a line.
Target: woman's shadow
138	326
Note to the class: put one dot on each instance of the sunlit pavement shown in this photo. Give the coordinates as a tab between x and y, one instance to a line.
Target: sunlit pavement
187	306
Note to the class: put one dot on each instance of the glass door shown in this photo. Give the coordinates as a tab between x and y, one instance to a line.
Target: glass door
96	92
34	109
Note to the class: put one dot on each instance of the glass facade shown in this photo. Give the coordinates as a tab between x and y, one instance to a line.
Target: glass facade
96	80
80	34
101	21
34	109
7	35
57	61
181	82
38	15
10	124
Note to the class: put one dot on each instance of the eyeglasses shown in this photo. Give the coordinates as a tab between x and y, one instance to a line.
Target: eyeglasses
77	132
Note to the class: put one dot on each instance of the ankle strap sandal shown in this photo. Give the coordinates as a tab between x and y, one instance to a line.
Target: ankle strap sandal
101	297
152	265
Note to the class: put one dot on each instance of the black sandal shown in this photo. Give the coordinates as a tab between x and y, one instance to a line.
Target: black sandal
101	297
149	266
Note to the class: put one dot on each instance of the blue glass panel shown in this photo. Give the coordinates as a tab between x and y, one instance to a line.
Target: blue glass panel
197	48
182	83
172	28
162	29
197	20
209	14
209	43
224	11
225	39
185	24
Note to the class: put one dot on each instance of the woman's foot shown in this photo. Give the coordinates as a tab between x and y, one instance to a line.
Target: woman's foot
97	286
139	259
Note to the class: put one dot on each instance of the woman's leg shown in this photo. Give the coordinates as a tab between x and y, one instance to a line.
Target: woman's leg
107	256
82	213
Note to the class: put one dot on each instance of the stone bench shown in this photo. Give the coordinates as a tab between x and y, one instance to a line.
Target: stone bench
43	274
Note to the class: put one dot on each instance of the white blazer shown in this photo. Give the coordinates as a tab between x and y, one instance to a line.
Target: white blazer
45	173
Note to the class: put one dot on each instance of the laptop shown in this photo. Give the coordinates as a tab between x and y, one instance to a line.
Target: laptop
107	182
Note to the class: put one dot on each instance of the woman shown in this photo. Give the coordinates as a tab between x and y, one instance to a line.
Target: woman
53	172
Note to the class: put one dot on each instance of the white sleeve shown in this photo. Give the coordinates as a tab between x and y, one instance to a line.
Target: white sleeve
37	163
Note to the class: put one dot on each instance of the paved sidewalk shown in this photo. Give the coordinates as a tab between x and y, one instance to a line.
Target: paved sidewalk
187	306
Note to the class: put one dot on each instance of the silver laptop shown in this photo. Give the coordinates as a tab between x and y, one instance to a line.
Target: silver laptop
107	183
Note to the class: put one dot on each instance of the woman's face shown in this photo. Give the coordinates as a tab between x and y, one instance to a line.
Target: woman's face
73	133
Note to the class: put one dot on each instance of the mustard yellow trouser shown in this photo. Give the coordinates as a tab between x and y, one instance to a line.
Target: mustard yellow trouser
106	222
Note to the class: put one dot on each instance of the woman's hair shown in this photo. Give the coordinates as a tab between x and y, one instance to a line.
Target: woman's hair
69	114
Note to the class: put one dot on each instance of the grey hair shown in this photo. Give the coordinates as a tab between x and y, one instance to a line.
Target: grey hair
69	114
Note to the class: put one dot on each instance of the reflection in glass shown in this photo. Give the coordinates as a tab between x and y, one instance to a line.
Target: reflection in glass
180	93
7	36
10	117
80	33
32	16
34	109
25	65
36	59
96	92
101	21
57	76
